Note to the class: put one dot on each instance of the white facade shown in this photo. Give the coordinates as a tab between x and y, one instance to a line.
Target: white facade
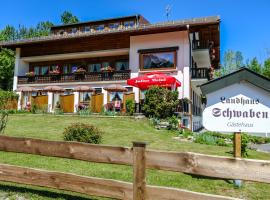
179	39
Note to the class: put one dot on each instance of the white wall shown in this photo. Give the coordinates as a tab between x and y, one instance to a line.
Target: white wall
21	67
161	40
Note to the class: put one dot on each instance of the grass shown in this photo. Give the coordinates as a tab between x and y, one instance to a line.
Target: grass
119	132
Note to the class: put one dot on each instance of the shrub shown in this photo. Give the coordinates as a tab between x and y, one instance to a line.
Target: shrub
130	106
173	123
245	139
83	133
84	112
186	133
212	138
160	102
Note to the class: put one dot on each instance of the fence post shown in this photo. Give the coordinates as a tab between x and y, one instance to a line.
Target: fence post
237	145
139	163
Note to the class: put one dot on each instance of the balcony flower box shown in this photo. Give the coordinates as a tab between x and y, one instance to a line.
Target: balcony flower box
30	74
107	69
80	71
54	72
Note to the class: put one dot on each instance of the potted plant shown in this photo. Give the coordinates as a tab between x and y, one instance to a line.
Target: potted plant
107	69
80	71
30	74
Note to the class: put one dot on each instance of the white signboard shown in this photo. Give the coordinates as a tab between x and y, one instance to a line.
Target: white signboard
237	114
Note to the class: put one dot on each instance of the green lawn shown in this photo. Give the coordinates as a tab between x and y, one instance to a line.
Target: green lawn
119	132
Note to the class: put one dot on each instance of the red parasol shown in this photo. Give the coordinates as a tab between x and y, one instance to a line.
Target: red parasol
154	79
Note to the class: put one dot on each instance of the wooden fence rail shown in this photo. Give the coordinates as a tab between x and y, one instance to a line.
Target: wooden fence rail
138	157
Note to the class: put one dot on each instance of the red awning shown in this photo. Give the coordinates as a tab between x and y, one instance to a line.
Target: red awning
154	79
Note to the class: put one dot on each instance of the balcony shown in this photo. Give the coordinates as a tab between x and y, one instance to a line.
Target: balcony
201	44
200	73
84	77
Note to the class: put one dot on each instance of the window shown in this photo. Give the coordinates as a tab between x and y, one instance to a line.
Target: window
36	70
105	64
113	25
85	96
98	90
159	60
100	27
65	69
122	65
73	30
74	68
44	70
87	29
129	24
116	96
94	67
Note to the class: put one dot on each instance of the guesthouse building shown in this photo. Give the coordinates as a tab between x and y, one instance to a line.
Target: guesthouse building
102	55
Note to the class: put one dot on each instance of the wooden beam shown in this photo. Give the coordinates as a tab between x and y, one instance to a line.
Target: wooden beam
65	181
94	186
166	193
139	171
72	150
211	166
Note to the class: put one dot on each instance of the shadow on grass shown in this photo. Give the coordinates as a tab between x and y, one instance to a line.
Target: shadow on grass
209	178
24	190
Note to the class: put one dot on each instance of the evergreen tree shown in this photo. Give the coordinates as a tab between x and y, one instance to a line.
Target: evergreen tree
68	18
254	65
266	68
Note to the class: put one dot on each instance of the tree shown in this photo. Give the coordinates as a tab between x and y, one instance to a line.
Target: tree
7	62
254	65
266	68
68	18
160	102
8	33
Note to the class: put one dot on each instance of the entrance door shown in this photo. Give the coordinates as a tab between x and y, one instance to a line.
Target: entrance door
67	103
97	103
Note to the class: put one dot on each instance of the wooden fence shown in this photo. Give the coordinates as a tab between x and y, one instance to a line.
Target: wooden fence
138	157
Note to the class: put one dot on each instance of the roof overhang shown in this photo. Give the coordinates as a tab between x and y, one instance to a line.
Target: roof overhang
139	30
243	74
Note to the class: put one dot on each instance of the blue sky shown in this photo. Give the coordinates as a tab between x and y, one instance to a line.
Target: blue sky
245	24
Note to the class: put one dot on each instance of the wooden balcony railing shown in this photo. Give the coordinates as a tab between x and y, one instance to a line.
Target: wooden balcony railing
85	77
200	73
201	44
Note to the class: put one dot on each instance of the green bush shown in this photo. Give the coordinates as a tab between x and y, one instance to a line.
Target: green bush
130	106
212	138
84	112
160	102
173	122
83	133
245	140
186	133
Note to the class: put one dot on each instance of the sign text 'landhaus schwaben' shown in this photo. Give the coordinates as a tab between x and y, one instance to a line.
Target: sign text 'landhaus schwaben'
237	114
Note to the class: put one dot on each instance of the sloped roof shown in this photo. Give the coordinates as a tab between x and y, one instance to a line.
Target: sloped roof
136	29
243	74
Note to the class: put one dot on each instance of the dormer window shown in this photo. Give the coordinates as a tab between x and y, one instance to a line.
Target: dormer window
87	29
74	30
114	25
100	27
129	23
